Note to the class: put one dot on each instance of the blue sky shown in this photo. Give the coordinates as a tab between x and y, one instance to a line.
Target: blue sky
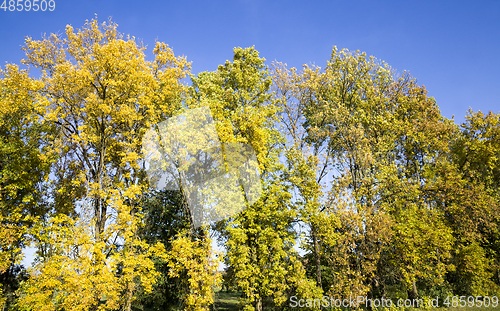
452	47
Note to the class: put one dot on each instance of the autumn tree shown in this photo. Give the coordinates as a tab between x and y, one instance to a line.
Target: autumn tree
309	163
379	135
102	94
258	240
470	188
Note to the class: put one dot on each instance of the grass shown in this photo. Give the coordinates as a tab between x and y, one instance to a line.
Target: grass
226	301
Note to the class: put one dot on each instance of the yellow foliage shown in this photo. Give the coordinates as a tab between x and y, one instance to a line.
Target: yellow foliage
199	262
101	94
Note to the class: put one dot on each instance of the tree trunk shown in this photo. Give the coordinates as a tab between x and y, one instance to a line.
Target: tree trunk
100	211
130	291
258	304
413	293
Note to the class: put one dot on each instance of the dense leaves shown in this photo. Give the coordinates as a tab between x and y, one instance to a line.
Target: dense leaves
367	190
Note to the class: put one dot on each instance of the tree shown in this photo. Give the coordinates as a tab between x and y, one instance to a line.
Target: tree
472	205
188	274
102	96
258	240
309	162
373	127
195	261
165	217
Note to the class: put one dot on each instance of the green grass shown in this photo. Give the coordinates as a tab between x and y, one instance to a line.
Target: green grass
226	301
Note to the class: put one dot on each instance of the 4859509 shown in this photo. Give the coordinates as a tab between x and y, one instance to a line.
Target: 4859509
471	301
28	5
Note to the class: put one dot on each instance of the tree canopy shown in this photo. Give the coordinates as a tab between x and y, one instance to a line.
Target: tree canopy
367	190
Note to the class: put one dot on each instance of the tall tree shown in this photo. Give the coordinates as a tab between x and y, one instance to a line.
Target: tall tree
102	94
365	118
472	205
308	162
258	240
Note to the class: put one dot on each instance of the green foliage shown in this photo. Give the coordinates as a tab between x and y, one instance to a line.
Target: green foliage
259	240
165	217
473	205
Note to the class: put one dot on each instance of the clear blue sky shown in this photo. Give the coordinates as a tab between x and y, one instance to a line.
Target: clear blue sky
452	47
